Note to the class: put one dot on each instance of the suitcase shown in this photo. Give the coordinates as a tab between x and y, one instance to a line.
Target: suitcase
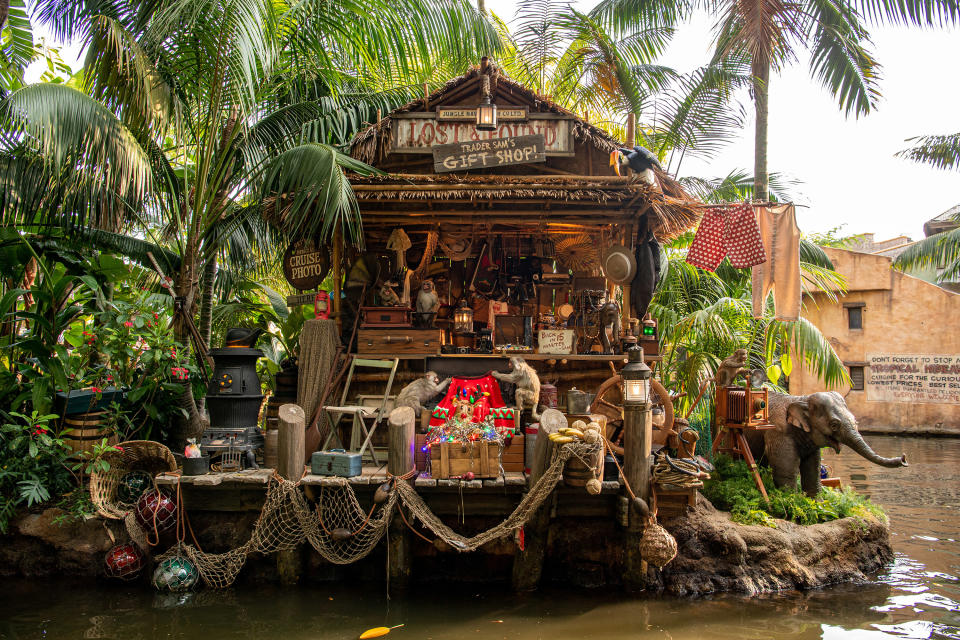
335	462
398	341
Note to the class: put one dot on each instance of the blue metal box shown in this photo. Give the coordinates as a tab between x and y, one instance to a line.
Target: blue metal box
335	462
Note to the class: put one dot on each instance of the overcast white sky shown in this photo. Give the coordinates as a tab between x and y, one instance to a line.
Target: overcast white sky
847	168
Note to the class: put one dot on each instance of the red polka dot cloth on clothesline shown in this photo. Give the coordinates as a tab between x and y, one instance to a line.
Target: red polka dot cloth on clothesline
730	232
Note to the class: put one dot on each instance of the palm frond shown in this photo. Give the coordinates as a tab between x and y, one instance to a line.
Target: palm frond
939	250
940	152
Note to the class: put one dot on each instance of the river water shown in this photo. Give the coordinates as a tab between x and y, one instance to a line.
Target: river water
917	596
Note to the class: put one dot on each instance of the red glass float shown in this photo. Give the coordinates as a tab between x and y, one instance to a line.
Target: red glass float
124	561
156	510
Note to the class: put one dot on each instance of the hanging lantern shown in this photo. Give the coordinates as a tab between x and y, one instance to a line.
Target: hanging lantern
124	561
175	574
132	485
636	379
486	110
463	318
321	305
155	509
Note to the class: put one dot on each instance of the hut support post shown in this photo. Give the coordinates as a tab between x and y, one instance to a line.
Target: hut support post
637	440
401	425
290	467
528	562
337	272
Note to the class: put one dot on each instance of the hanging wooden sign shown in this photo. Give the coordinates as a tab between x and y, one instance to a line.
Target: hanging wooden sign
463	156
305	265
469	114
420	132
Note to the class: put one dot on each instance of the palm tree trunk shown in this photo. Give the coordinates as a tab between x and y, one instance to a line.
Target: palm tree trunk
206	309
761	95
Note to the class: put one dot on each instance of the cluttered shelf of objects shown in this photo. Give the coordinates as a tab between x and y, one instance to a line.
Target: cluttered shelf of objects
579	357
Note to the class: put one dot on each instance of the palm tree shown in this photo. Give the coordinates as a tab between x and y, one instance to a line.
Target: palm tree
200	118
942	250
770	34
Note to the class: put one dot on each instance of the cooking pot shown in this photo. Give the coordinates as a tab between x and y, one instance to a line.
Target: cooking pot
578	402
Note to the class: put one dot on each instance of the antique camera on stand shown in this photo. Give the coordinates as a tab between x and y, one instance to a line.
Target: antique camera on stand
233	400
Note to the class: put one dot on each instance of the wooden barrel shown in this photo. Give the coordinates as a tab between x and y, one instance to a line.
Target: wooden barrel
83	431
576	472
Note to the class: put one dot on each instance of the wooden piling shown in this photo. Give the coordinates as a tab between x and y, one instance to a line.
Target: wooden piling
637	440
528	562
292	422
400	460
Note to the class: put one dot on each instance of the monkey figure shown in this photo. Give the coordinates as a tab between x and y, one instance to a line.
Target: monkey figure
527	382
419	391
732	366
427	302
389	297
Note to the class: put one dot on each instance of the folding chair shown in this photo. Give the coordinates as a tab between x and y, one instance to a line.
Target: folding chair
359	412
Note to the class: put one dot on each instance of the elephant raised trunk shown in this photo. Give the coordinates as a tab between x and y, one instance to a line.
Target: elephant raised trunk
855	441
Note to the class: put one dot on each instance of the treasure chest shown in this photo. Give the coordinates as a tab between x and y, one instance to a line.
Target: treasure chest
335	462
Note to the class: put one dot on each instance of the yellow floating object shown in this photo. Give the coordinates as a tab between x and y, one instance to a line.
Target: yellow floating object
376	632
576	433
563	440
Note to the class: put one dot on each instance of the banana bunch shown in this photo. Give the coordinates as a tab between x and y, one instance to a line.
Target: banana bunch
578	431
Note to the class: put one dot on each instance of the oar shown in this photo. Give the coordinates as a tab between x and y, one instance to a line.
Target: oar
376	632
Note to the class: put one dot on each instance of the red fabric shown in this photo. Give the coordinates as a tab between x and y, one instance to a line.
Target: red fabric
730	232
484	405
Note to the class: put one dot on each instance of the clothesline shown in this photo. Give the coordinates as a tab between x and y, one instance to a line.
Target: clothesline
725	205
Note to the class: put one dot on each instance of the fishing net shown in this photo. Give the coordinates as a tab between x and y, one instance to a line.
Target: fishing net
521	514
339	529
342	532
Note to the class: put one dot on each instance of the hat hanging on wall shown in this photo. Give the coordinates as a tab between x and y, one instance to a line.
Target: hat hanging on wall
577	253
619	264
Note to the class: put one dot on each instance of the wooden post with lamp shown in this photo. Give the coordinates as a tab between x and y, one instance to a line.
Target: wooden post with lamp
637	441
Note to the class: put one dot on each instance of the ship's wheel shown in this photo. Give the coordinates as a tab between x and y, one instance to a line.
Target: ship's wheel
609	402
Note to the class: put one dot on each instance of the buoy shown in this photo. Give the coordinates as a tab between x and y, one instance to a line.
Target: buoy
468	476
340	534
594	486
376	632
382	493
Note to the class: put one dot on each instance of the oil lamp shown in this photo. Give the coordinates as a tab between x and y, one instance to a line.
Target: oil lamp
486	110
636	379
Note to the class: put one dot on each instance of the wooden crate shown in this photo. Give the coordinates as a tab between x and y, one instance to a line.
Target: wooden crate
452	460
675	500
511	458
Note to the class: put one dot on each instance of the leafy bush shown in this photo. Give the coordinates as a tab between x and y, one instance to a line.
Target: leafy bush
33	464
731	488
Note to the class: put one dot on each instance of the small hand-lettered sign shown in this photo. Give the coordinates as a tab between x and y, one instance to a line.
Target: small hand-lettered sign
469	114
305	265
497	152
558	341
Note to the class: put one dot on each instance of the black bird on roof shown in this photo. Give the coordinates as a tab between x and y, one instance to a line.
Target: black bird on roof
641	160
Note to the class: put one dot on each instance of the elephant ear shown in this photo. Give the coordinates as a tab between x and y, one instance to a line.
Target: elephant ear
798	415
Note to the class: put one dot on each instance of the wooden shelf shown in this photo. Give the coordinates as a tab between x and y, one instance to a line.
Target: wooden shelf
584	357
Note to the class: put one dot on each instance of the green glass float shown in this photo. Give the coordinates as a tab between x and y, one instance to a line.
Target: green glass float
175	574
132	485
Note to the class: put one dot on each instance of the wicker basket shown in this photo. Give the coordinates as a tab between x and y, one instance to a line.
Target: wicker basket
657	546
147	455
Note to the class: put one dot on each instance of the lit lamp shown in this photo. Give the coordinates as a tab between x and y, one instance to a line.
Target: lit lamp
636	379
486	110
463	338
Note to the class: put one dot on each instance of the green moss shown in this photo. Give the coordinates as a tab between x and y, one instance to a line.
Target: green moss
731	488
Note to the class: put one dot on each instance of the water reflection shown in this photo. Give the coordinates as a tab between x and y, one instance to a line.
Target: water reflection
917	597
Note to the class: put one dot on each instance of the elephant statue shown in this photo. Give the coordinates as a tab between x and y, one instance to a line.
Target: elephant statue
804	425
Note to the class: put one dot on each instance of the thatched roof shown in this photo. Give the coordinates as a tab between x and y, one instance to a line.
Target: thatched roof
373	143
566	192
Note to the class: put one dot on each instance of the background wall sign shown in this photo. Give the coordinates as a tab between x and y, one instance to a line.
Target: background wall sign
305	265
462	156
420	132
913	378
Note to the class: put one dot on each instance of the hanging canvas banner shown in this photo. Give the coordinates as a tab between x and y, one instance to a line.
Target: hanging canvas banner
414	133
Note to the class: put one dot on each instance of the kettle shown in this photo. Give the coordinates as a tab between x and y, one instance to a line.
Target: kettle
578	402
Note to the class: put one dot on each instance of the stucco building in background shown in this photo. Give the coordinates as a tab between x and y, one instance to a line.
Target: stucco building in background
899	337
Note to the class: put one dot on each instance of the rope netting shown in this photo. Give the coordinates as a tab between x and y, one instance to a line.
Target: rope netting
342	532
